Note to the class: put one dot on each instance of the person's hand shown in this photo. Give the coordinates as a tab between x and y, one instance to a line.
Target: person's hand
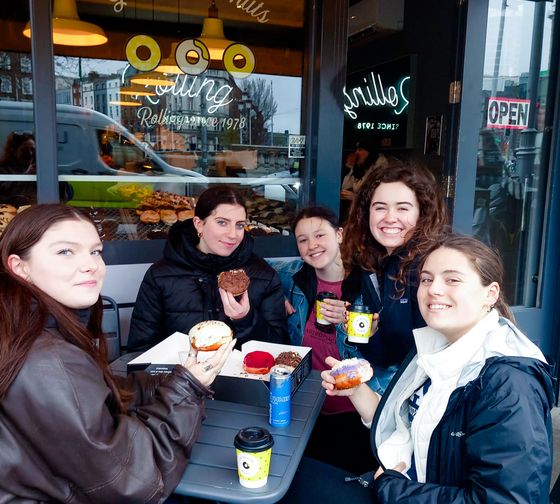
334	310
206	372
234	309
400	467
374	322
346	194
329	381
290	310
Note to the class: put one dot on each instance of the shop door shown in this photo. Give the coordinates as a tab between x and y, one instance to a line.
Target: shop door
505	135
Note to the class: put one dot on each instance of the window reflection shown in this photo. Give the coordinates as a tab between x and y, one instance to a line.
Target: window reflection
511	168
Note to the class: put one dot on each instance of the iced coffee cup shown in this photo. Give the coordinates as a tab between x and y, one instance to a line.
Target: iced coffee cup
360	320
253	446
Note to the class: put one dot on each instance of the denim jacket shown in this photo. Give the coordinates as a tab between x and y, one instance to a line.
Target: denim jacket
299	282
286	267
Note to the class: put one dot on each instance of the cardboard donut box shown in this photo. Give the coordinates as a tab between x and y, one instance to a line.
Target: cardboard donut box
233	384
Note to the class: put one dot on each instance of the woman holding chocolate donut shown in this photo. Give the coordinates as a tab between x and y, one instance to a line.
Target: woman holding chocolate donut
467	416
396	213
70	430
320	269
201	254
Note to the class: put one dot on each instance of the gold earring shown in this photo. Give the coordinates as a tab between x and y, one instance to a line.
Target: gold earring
199	234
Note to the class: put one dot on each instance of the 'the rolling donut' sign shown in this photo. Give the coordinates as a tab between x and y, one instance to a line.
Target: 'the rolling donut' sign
507	113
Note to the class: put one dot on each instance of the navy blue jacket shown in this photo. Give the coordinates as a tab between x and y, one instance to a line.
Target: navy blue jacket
493	444
400	315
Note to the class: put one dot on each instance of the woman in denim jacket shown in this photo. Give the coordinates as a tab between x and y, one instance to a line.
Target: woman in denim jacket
396	215
320	269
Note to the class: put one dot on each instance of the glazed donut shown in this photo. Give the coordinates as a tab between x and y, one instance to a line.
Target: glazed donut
210	335
349	373
258	362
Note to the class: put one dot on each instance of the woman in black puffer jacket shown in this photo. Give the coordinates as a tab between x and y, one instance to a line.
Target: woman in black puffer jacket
181	289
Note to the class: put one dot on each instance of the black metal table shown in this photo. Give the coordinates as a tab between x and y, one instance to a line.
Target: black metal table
212	470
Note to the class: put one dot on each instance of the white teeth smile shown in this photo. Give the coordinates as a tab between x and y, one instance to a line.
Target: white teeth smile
316	254
391	230
438	307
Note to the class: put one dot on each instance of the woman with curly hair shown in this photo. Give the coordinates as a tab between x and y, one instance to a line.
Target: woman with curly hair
396	214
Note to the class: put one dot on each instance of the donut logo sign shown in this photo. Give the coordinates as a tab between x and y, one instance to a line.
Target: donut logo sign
507	113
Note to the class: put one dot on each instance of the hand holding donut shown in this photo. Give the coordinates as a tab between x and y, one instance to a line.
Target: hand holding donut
234	309
345	376
206	372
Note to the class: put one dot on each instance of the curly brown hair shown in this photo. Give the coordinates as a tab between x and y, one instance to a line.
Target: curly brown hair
362	249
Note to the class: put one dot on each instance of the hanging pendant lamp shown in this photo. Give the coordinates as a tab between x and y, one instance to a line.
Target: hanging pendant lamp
169	64
152	79
125	103
136	90
68	29
213	33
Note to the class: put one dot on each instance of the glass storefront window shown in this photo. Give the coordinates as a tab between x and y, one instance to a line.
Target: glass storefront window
18	165
163	143
127	146
512	160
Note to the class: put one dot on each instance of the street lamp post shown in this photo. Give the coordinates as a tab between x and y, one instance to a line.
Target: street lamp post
245	106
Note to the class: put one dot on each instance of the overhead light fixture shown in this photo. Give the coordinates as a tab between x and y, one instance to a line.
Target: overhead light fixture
125	103
68	29
213	33
169	64
152	79
136	91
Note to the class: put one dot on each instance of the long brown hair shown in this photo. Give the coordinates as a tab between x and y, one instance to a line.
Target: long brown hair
24	308
485	261
361	248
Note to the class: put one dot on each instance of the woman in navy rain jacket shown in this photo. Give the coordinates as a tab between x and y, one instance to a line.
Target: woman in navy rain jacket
467	417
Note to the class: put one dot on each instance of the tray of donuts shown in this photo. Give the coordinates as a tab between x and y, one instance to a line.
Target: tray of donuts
8	212
246	374
161	207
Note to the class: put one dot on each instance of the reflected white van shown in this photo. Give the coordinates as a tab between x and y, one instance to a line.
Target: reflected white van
91	143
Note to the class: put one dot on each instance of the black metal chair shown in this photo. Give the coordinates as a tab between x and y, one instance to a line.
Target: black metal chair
111	327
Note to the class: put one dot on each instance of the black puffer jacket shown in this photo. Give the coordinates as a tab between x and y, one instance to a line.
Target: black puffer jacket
181	290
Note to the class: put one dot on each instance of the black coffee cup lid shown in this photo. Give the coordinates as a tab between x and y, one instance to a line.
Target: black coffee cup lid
253	439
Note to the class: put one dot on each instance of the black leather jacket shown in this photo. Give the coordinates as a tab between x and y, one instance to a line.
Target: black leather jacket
181	290
61	439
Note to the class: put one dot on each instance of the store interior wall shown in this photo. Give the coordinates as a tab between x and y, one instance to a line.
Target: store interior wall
429	34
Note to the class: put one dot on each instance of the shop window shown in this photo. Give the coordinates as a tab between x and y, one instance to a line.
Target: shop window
5	84
25	63
27	86
511	168
5	61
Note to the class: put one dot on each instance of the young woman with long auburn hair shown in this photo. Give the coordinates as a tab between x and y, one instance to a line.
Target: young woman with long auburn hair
69	430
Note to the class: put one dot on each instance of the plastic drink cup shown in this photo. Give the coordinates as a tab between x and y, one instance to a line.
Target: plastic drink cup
360	320
253	446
